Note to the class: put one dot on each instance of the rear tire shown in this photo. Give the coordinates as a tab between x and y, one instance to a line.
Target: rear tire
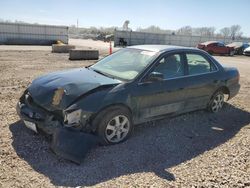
231	53
216	102
114	125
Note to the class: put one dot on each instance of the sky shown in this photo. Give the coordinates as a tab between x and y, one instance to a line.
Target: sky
167	14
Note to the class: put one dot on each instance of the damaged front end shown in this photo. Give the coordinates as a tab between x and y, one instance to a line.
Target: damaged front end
68	128
71	144
63	103
51	101
77	118
47	121
35	115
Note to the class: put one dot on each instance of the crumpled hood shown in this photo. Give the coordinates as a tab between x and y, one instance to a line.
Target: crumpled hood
74	82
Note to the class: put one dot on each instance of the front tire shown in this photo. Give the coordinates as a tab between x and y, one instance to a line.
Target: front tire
216	102
114	125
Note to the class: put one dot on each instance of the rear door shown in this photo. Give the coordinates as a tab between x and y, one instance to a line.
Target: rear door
201	81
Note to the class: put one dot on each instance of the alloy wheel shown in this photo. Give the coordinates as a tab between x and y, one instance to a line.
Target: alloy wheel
217	102
231	53
117	129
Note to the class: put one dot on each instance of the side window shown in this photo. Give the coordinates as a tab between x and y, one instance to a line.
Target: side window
220	44
197	64
170	66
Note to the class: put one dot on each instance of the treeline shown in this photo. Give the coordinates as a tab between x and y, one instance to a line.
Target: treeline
233	31
91	30
16	21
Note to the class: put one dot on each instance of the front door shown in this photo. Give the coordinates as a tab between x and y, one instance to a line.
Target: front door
167	96
219	48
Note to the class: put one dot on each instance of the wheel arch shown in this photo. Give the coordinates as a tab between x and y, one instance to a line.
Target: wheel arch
225	91
116	105
96	117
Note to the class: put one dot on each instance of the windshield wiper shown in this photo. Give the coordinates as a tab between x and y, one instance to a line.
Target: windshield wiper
102	73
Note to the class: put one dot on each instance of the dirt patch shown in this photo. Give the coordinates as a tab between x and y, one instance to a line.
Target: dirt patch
194	149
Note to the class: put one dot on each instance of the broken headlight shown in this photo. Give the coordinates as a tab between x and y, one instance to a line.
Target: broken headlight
75	117
72	118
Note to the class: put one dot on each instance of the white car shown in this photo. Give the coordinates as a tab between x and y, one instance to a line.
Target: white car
247	51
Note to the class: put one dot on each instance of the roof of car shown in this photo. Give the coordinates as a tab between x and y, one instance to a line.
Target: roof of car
210	42
159	48
236	44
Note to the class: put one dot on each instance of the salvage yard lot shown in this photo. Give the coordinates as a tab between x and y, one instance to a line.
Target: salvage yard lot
194	149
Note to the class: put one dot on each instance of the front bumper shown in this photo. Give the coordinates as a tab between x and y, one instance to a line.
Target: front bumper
246	53
66	142
48	121
44	122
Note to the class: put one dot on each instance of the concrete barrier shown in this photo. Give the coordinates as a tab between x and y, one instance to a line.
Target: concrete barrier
59	48
77	54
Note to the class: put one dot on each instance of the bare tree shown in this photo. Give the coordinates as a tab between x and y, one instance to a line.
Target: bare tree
204	31
235	31
186	30
225	32
210	31
153	29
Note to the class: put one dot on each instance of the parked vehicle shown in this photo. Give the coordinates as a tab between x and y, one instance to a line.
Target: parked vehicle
216	47
239	47
99	37
247	51
133	85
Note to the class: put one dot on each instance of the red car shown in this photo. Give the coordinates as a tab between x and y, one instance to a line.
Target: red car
215	47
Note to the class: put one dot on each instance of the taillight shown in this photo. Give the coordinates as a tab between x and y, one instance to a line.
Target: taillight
200	46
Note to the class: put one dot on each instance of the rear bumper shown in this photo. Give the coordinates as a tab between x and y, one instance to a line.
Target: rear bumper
234	90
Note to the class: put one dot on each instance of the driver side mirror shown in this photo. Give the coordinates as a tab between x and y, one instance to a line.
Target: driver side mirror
154	77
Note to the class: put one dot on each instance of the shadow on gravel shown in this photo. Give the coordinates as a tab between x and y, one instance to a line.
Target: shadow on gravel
154	147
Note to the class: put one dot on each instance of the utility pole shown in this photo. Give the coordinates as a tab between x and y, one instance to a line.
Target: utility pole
77	23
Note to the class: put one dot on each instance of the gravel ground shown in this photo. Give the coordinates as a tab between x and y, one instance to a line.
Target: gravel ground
197	149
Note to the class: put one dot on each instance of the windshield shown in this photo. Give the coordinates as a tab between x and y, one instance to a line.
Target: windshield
125	64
